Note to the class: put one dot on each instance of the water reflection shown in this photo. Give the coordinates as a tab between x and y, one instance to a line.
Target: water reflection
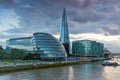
70	73
92	71
112	73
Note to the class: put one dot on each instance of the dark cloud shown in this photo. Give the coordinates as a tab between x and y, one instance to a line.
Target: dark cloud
84	16
111	31
45	15
7	3
73	3
37	12
86	3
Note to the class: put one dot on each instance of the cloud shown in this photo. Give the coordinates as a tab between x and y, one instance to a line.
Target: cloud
94	36
82	16
7	3
41	14
113	26
24	17
112	29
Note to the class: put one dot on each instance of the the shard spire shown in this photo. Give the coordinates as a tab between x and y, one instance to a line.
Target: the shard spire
64	35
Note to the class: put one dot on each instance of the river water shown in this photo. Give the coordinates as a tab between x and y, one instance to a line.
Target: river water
90	71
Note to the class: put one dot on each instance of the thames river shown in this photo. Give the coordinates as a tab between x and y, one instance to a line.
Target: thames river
90	71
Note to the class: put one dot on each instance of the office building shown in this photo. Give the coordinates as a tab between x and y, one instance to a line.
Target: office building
87	48
23	43
48	46
64	35
43	43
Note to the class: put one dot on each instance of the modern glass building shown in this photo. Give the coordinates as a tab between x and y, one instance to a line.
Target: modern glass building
64	36
78	49
87	48
23	43
99	49
43	43
48	46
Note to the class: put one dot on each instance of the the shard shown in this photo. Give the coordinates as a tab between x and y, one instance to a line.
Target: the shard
64	36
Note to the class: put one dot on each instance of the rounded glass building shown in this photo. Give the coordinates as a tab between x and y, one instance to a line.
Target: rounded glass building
48	46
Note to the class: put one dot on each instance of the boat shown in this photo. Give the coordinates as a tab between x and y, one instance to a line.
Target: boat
106	63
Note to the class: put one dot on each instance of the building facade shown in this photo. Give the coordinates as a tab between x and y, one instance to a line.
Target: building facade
43	43
87	48
23	43
48	46
64	34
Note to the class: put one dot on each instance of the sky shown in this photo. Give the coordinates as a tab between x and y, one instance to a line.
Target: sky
87	19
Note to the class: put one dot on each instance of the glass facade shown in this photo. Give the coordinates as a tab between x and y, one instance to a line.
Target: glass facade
87	48
64	35
45	44
78	49
24	43
48	46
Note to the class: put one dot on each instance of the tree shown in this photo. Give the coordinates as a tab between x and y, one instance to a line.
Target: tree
36	56
28	56
32	56
106	55
2	54
16	54
1	48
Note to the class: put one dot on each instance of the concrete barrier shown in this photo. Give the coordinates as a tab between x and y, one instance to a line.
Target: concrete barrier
18	67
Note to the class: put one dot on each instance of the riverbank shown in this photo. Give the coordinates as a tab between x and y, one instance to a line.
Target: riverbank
39	65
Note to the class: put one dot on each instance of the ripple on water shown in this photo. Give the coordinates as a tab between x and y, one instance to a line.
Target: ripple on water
91	71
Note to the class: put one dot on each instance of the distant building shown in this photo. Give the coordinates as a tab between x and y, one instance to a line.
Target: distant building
87	48
64	36
43	43
23	43
107	53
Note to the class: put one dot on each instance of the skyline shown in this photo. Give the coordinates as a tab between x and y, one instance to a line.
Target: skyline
87	19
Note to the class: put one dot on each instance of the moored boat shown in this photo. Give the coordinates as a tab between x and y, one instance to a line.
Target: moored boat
106	63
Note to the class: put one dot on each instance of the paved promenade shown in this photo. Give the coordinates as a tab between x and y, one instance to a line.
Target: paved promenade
33	64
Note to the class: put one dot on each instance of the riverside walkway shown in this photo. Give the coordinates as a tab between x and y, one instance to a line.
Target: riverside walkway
35	64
